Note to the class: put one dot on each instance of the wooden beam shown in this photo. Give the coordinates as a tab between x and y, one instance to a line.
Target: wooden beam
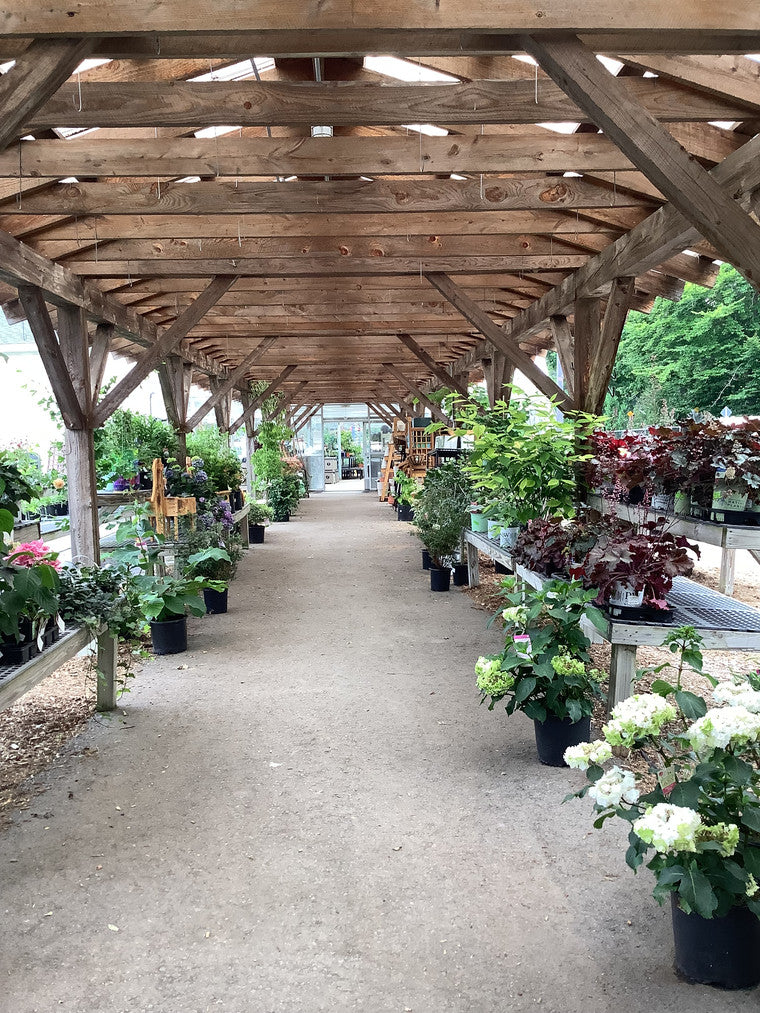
99	351
307	156
732	77
689	187
563	342
397	398
435	368
381	413
19	265
414	390
661	235
167	342
250	104
586	339
603	356
257	401
52	357
472	312
227	385
37	75
532	192
306	418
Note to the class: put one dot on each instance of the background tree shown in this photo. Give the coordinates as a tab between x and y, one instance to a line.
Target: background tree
699	353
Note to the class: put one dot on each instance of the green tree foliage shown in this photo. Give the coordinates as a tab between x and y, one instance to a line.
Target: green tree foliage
698	353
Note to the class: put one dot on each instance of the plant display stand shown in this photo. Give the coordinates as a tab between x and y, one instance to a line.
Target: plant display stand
15	680
723	624
727	537
394	457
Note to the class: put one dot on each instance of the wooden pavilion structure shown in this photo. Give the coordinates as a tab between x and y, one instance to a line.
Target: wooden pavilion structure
235	192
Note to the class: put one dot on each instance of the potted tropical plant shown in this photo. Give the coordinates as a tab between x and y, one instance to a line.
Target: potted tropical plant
691	801
544	669
166	602
29	601
258	516
215	565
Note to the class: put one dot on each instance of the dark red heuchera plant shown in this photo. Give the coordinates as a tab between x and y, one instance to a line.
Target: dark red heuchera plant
621	462
645	559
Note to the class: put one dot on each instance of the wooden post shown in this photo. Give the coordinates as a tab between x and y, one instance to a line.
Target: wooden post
107	662
473	565
588	326
622	673
176	378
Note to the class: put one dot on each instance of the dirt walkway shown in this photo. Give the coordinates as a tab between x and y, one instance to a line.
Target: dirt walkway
316	815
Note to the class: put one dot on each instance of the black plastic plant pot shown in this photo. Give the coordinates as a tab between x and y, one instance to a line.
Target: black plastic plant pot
425	559
256	533
216	601
461	575
440	578
236	499
554	735
500	567
170	636
405	512
723	952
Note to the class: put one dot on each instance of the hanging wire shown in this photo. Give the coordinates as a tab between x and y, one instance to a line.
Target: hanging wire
535	83
79	86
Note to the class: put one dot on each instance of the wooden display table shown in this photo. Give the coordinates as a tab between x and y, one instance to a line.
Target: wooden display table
727	537
15	680
723	624
240	517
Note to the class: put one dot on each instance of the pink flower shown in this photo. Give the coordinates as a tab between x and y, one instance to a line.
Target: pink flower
33	553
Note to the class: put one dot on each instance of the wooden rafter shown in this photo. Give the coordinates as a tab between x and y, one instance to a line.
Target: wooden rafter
170	338
226	386
38	73
691	189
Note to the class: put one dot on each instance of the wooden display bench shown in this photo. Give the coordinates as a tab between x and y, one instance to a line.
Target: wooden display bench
723	624
727	537
240	517
15	680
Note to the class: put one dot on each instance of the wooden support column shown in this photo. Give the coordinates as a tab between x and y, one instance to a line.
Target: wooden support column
478	317
612	106
588	328
66	358
222	403
498	374
563	343
176	378
415	391
603	357
250	433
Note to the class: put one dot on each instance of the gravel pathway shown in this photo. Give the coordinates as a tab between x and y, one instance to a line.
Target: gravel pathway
309	811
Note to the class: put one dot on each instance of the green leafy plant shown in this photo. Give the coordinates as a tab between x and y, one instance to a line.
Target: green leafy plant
284	494
524	458
544	668
259	513
442	510
93	595
407	489
697	819
171	597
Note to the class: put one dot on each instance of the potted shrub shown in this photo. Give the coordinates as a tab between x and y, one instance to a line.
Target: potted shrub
692	805
524	458
544	667
259	514
440	514
630	567
283	495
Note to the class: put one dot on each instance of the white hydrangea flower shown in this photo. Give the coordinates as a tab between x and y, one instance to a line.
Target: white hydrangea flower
516	616
738	695
669	828
614	787
636	718
724	726
581	757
